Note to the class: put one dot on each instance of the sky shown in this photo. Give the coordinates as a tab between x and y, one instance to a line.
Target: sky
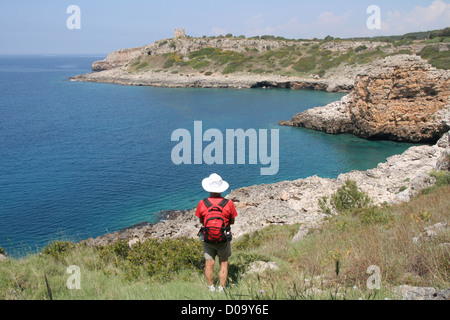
40	26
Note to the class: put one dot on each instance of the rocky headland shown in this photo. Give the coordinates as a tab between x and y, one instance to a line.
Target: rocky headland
401	98
236	62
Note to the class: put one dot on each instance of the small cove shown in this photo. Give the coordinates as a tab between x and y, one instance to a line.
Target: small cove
81	159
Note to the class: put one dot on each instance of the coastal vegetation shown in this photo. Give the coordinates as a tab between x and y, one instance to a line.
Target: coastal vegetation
435	57
329	263
287	57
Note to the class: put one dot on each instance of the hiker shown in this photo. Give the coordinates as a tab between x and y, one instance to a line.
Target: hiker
216	214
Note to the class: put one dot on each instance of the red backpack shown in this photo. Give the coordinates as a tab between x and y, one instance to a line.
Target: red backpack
214	228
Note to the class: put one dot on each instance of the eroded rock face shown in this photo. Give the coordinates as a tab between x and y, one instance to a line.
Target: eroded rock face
400	98
117	59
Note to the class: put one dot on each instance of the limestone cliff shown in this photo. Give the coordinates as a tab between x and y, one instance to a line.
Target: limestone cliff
117	59
401	98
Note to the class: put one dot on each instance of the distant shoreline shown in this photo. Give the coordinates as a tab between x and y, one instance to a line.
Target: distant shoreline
236	81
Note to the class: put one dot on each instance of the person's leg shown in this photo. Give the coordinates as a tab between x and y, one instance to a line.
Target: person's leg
223	272
210	255
224	253
209	272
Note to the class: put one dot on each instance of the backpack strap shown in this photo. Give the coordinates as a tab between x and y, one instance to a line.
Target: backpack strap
222	204
207	203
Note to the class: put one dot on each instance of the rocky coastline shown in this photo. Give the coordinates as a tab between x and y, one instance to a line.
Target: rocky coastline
235	81
296	202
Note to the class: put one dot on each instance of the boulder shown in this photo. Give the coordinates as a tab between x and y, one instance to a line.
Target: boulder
422	293
432	232
302	232
261	266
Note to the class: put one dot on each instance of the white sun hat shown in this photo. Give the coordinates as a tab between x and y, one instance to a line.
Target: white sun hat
215	184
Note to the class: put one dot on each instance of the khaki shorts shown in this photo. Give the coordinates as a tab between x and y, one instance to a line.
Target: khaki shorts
211	250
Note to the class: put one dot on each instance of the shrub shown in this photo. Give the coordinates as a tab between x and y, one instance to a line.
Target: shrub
374	214
437	58
159	259
440	33
164	259
233	67
141	66
442	179
242	260
249	241
360	48
403	42
205	52
181	63
305	64
162	43
172	58
321	73
2	251
323	205
58	249
199	64
348	198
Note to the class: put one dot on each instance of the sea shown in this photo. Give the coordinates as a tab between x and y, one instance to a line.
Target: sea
81	159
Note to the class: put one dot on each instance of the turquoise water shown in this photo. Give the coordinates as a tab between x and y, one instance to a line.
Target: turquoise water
79	159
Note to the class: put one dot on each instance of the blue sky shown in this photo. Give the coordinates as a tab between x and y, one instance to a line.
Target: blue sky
39	26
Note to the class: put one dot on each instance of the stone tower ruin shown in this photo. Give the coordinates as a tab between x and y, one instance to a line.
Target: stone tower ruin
180	34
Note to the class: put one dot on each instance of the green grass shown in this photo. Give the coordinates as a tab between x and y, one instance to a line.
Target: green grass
329	263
